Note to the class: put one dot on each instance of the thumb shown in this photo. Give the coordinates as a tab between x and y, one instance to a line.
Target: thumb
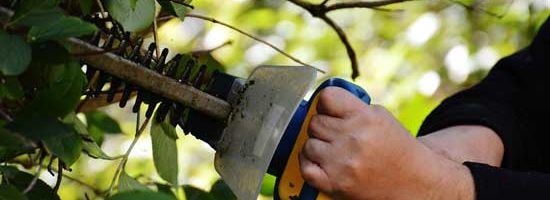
337	102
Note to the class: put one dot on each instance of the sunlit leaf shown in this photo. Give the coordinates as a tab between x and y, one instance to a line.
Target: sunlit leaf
133	18
141	195
165	152
268	185
102	121
15	54
99	124
89	145
211	62
60	29
127	183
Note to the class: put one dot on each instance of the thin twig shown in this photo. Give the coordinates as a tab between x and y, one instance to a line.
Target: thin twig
320	11
97	191
90	186
124	160
487	12
5	115
155	37
361	4
60	166
38	172
254	38
207	51
101	8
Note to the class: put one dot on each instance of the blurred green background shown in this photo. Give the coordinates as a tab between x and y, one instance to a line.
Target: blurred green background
410	59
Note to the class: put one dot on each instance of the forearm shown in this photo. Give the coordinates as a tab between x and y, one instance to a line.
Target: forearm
466	143
448	148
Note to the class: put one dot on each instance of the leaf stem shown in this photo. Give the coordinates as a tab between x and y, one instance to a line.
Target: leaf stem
38	172
124	160
101	8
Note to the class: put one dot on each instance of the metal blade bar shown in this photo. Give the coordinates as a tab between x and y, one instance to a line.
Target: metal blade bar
147	79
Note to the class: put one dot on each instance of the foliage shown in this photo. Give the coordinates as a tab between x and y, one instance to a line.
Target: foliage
410	60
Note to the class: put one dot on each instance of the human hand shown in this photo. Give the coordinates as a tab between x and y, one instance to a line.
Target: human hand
358	151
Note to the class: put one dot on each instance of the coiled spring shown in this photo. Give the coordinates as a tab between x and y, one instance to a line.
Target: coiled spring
113	38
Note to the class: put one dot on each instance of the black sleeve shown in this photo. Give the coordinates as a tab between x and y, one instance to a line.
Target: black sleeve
514	101
503	184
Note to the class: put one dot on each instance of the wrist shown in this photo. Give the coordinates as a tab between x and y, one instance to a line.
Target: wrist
454	181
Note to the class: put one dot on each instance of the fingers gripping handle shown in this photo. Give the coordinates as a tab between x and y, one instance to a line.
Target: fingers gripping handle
285	164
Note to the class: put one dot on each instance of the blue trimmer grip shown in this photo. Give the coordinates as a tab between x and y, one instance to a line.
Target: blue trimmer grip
285	165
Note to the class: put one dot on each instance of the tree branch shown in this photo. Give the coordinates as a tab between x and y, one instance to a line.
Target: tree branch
362	4
349	49
320	11
254	38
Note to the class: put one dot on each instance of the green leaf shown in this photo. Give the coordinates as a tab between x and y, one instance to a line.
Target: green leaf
141	195
86	6
220	190
102	121
10	192
133	18
127	183
35	12
67	144
89	145
12	144
39	127
15	54
133	4
63	95
8	170
212	63
165	152
268	185
167	189
175	8
21	180
11	88
46	60
67	147
60	29
193	193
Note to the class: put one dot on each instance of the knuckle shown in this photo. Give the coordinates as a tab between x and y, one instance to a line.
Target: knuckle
308	147
315	123
326	96
308	174
319	122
